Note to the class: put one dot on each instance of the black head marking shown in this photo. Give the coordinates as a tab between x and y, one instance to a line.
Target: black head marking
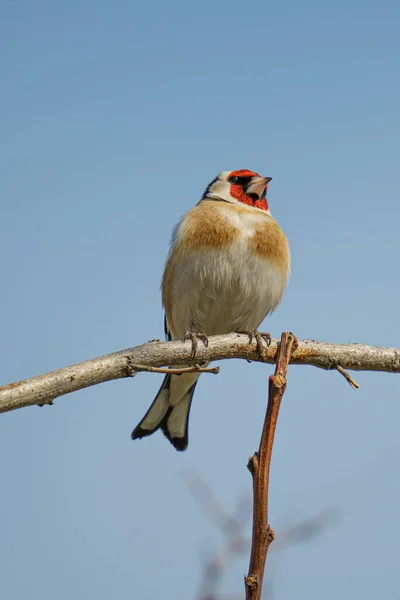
206	191
242	181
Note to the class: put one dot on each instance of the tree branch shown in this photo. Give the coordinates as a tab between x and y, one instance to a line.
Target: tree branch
259	465
44	388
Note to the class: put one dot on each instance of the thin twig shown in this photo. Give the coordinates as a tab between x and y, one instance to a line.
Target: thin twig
194	369
347	377
259	466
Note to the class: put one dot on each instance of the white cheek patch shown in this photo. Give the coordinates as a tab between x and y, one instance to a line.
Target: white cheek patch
220	189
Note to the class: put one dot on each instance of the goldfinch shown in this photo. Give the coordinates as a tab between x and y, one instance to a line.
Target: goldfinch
227	267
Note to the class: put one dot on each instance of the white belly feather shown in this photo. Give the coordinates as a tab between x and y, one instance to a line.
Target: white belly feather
217	292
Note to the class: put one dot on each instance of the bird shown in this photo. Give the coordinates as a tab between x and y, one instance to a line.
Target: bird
227	268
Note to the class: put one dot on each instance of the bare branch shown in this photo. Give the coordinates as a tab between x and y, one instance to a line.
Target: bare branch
259	465
44	388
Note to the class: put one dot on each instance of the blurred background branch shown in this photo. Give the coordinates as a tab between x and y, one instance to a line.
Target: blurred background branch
236	540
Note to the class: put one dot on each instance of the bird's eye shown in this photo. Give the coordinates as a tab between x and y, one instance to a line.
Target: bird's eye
240	180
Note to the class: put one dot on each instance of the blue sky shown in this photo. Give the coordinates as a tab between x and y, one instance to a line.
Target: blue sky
114	118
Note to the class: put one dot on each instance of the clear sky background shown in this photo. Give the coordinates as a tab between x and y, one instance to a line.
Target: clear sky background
114	118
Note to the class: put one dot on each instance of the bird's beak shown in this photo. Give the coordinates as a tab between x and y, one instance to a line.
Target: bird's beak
258	185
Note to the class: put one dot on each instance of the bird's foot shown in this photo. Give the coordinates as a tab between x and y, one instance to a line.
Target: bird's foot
195	337
260	338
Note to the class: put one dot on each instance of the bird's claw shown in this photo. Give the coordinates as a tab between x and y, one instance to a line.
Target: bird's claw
260	337
195	337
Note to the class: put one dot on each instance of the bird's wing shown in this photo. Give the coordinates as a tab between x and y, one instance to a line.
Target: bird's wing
168	336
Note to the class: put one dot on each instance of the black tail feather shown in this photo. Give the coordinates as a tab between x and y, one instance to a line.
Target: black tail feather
179	443
140	432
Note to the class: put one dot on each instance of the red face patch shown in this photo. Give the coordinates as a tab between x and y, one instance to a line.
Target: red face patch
243	173
237	190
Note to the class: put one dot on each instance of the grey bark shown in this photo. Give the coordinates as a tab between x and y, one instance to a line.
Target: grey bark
44	388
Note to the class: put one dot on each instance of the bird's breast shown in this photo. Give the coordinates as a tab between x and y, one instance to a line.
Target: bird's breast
226	270
223	226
